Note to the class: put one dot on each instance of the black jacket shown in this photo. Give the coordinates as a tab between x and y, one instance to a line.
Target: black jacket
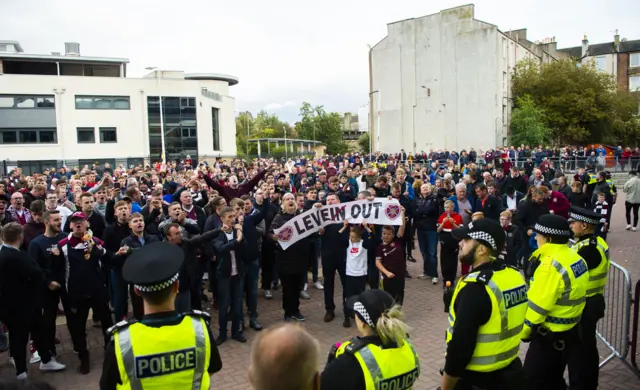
294	259
332	253
114	234
223	247
518	183
519	196
250	232
189	270
21	282
425	213
513	244
152	220
491	209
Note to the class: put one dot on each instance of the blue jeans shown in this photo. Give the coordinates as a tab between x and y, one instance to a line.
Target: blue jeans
230	294
119	294
251	278
428	243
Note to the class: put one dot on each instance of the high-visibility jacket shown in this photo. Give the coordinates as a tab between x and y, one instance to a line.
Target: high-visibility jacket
388	368
167	357
557	290
598	275
612	187
498	341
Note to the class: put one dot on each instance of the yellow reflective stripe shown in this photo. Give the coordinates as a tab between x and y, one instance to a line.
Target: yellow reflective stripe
201	352
415	355
595	290
128	358
491	359
372	365
570	302
538	309
504	319
494	337
597	276
565	299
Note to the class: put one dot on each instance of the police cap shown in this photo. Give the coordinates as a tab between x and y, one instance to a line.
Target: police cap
551	225
583	215
486	231
153	267
370	305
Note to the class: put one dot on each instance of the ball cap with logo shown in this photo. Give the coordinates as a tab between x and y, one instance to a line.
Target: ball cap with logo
78	216
551	225
153	267
578	214
370	305
486	231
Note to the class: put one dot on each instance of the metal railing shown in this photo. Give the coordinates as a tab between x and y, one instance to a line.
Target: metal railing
634	330
613	329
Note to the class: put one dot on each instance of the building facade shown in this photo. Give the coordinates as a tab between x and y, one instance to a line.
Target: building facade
71	109
619	58
443	81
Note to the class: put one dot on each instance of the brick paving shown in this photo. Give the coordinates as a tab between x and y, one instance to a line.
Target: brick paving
424	311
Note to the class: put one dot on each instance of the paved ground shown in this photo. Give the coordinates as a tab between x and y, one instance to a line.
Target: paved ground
424	314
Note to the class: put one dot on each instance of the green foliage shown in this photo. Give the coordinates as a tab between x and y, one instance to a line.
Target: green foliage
528	123
579	104
365	142
322	126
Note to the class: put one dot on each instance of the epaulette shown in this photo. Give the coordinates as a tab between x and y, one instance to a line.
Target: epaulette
124	324
485	276
355	345
593	240
198	313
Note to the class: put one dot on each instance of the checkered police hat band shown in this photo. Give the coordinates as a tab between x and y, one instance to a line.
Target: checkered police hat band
551	231
159	286
359	308
484	236
582	218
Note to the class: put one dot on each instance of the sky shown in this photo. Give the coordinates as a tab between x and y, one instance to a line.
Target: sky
283	51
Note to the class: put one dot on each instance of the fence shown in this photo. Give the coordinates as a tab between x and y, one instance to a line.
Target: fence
634	330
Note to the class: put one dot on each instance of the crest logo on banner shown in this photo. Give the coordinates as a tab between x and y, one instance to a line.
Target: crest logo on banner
285	234
392	211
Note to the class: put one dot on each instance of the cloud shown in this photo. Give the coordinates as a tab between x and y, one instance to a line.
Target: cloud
278	106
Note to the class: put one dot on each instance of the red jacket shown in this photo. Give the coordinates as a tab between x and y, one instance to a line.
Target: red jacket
559	204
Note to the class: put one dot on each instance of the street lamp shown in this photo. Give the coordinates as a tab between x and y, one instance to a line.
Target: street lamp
151	68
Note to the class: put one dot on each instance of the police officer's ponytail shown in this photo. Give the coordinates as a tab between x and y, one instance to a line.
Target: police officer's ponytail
391	327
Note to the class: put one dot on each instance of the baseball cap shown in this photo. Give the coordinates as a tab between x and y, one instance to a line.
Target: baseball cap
486	231
78	215
370	305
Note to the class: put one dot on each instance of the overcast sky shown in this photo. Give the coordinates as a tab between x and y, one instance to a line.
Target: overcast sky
283	51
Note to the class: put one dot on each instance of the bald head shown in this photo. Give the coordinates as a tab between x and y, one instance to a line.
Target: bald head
284	358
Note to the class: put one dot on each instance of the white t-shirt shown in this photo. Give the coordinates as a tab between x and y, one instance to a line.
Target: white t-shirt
64	213
512	204
234	266
356	259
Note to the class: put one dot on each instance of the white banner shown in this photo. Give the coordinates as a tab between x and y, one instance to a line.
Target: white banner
380	211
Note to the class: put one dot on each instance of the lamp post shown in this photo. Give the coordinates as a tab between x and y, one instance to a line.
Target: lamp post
164	160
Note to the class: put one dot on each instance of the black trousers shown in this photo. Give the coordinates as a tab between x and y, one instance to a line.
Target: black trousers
20	326
628	207
354	286
77	319
448	257
291	288
329	270
137	305
508	378
50	300
267	265
407	239
584	359
395	288
544	364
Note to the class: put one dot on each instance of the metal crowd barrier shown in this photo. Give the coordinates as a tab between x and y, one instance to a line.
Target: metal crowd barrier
634	330
613	329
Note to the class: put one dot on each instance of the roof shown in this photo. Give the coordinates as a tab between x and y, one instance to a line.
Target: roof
599	49
232	80
63	58
14	43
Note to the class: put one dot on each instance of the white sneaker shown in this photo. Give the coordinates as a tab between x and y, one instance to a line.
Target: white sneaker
35	358
628	227
22	377
434	281
13	362
306	287
205	276
422	276
633	229
304	295
318	285
52	365
268	294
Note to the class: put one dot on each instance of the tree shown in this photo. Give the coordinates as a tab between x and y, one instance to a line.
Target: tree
365	142
528	123
264	125
322	126
580	103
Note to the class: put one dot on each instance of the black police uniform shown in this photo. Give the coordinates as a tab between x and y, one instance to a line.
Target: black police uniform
584	358
153	265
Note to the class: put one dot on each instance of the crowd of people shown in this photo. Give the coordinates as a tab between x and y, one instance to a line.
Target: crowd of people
69	232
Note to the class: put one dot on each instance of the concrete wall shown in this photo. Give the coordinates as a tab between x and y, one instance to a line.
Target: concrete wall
27	117
132	124
439	82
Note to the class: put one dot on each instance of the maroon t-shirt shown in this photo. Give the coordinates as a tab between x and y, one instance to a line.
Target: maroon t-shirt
392	257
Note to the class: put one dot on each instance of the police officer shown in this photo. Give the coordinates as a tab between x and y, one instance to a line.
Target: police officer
382	357
584	361
556	300
166	349
486	315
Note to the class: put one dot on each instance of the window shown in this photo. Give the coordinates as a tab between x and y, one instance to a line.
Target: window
634	60
86	135
189	132
28	136
27	101
504	47
108	135
504	81
600	63
634	83
215	127
102	102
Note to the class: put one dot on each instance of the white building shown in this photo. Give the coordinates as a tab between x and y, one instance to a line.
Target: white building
73	109
443	81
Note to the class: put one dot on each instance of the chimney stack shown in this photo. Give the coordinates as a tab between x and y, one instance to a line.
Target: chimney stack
616	39
585	46
71	49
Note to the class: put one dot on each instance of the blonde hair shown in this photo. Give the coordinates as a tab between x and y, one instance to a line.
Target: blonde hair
449	203
477	215
417	183
391	327
506	214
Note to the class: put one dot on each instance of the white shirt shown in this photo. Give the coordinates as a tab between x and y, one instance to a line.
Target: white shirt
511	203
234	266
356	259
64	213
